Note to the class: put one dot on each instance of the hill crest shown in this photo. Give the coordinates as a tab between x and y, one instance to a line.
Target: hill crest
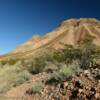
68	32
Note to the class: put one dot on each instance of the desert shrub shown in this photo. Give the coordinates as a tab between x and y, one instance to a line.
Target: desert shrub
12	75
22	77
36	88
85	52
64	73
71	53
8	75
39	65
89	54
3	62
10	61
58	56
67	55
69	70
4	87
1	65
35	65
50	67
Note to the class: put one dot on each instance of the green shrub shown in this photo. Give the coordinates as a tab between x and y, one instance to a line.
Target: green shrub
35	65
12	75
22	77
36	88
58	56
50	67
4	87
1	65
3	62
85	52
10	61
64	73
69	70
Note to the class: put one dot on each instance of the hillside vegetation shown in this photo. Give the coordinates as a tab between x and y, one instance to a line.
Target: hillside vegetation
62	63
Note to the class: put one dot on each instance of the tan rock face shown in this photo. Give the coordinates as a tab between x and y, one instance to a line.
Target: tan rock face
69	32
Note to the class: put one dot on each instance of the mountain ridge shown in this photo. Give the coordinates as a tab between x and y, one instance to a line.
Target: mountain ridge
70	27
68	32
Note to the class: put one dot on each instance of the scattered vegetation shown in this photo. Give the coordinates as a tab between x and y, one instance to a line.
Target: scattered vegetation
10	61
64	73
35	65
11	76
85	53
36	88
63	64
22	77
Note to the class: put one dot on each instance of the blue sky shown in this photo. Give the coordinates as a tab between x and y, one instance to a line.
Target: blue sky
21	19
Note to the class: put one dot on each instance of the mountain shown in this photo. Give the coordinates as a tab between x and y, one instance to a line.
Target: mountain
68	32
71	73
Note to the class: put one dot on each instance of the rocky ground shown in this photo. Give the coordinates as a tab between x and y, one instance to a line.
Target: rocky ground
83	86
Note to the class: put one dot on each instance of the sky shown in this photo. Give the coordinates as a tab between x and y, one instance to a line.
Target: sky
21	19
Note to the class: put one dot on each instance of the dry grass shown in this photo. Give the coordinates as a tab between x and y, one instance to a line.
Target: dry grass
11	76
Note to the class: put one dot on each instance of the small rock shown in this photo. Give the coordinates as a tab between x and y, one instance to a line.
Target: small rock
86	72
81	74
98	81
90	77
65	84
80	90
97	77
78	83
97	95
96	69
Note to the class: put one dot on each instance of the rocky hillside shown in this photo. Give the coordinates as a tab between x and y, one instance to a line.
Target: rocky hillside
68	32
83	86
